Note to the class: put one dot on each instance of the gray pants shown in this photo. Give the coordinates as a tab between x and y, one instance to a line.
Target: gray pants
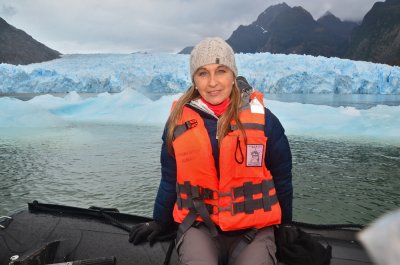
196	247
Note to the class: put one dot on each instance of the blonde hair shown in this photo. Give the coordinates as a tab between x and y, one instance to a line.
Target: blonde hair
224	124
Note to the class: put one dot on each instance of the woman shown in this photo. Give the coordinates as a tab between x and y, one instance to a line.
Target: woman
226	168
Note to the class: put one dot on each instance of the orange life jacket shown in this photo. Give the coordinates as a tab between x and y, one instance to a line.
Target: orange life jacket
244	195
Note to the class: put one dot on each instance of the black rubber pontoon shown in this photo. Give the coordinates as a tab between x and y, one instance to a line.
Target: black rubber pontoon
57	234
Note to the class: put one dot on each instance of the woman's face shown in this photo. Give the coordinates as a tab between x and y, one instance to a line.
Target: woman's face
214	82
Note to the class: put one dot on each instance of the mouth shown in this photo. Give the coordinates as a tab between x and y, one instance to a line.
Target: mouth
214	93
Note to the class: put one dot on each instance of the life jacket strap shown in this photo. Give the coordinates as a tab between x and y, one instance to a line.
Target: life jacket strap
198	208
245	240
249	189
188	204
248	206
182	128
195	191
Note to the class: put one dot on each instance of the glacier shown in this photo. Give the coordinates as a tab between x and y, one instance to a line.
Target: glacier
163	73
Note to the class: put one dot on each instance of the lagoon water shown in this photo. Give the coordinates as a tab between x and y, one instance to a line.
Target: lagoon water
116	164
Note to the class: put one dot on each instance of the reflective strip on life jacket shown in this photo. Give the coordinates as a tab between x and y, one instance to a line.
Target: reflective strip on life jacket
253	126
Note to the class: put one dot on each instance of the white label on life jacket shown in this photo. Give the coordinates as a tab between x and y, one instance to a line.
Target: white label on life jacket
254	155
256	106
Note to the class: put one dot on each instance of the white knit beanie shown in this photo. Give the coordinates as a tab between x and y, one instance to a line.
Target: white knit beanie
212	50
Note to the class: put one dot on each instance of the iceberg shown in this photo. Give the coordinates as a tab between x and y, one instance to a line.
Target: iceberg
380	123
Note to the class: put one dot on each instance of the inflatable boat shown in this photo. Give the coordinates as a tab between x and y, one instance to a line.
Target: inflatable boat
57	234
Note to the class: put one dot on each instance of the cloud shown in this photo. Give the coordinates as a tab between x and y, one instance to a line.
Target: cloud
353	10
127	25
72	26
7	11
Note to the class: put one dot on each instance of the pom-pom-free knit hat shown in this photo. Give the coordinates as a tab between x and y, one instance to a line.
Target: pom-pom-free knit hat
212	50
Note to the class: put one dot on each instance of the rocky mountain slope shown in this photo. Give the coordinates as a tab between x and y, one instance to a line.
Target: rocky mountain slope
17	47
377	39
292	30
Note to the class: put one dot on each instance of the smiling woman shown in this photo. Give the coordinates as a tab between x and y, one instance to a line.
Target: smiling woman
214	83
215	142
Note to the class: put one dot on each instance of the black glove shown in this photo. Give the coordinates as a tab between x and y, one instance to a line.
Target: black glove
296	247
149	230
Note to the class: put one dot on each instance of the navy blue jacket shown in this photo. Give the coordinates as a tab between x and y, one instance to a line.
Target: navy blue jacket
278	160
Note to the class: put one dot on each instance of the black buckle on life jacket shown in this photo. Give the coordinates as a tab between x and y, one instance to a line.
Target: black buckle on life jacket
191	124
217	209
184	127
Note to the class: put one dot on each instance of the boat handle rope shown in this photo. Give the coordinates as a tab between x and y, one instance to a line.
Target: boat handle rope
327	226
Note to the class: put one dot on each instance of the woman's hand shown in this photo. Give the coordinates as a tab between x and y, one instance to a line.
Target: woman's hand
146	231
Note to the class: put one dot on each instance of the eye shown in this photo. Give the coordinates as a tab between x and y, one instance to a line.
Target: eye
202	73
221	71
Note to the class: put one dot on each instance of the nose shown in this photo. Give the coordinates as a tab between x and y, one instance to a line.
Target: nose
212	81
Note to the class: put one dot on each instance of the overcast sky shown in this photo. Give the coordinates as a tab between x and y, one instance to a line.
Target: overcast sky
124	26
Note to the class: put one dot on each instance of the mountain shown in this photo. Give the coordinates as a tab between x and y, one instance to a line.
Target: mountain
334	24
252	38
17	47
377	39
186	50
292	30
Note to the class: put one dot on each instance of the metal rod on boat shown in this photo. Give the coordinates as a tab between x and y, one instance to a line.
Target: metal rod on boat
98	261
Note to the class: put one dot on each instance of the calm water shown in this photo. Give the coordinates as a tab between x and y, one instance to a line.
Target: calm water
335	181
83	166
118	166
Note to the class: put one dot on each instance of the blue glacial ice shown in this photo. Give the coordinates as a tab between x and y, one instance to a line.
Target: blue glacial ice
129	107
168	73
